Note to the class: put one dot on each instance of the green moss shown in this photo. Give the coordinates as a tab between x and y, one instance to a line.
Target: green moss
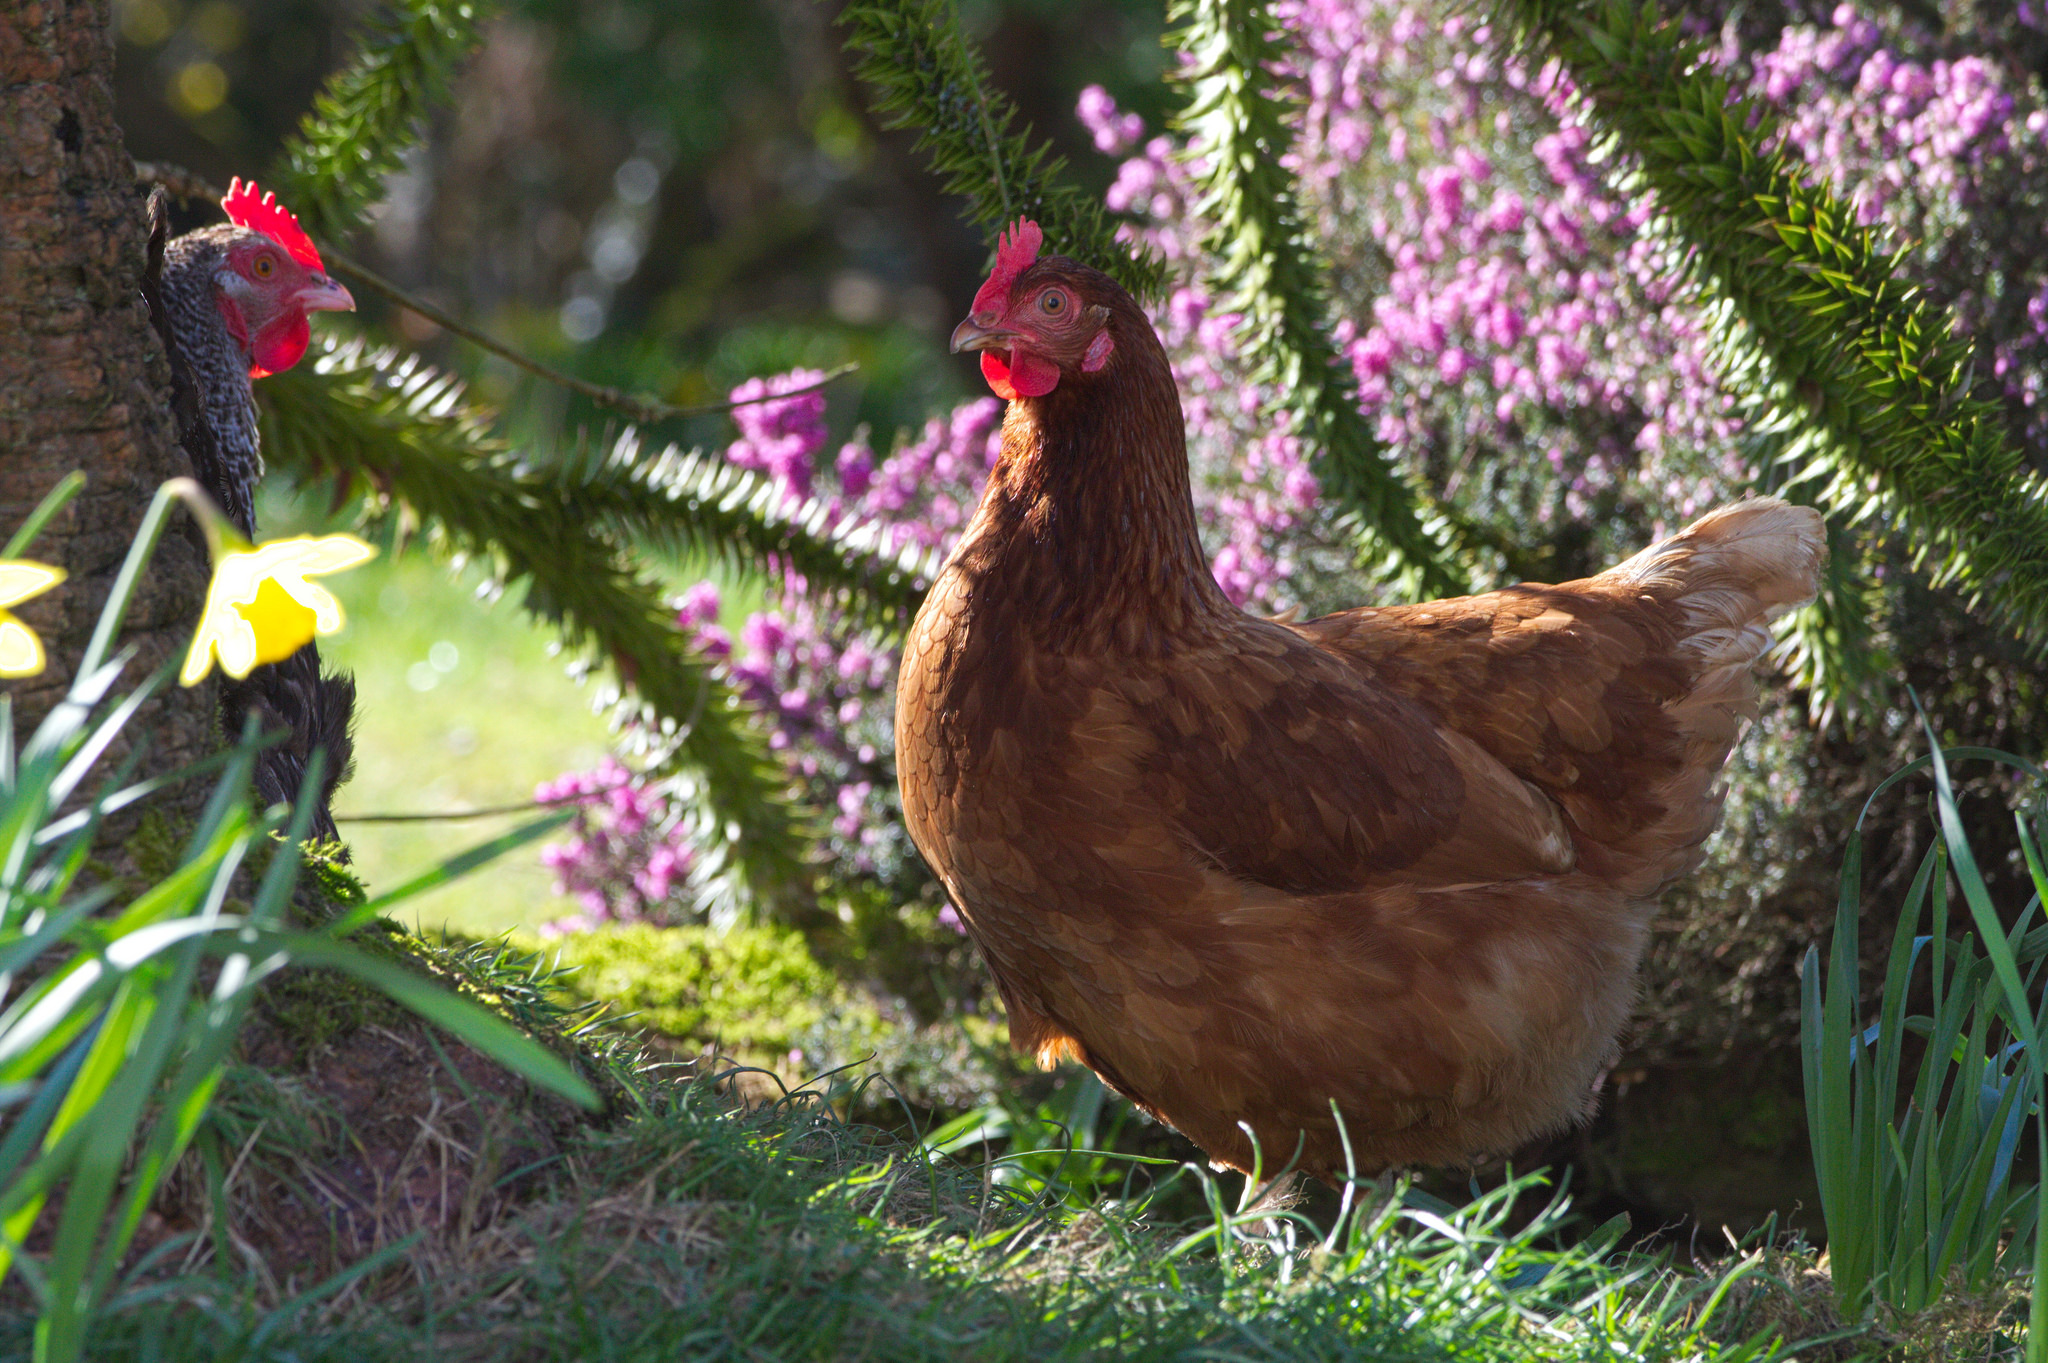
325	866
157	846
748	989
761	996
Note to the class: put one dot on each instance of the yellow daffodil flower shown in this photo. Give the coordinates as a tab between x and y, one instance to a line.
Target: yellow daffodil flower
260	606
21	653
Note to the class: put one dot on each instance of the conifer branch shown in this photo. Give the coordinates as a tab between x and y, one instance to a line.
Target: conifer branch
691	503
923	73
1265	267
1879	380
371	111
1834	648
383	423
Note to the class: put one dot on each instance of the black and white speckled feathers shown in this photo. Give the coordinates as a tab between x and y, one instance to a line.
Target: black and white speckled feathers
224	448
214	402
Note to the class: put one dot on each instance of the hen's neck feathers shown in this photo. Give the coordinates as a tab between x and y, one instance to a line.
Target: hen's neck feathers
219	365
1086	534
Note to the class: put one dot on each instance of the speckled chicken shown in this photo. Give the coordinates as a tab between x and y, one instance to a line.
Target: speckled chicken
1399	861
231	303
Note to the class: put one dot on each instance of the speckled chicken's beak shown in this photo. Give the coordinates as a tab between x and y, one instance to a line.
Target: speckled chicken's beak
973	335
325	295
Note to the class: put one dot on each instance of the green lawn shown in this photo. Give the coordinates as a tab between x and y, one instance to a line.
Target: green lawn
459	706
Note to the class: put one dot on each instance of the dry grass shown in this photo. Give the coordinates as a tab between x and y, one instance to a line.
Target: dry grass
1791	1294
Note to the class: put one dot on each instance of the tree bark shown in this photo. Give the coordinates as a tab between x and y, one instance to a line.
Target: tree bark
83	379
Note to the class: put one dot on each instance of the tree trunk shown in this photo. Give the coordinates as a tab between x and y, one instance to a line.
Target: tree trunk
83	379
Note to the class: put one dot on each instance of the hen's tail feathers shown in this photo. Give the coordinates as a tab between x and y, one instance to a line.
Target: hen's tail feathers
1725	577
1729	574
317	712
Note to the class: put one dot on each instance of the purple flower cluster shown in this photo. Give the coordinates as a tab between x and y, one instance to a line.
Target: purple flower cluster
1115	133
1948	155
627	855
1512	327
824	688
1510	309
779	438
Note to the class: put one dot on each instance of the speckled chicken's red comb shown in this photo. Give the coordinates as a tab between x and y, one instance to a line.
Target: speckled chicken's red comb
272	219
1015	250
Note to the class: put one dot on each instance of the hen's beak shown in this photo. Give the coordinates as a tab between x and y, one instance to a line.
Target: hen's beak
325	295
974	335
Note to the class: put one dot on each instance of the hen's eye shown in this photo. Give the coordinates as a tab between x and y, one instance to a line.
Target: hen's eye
264	267
1053	302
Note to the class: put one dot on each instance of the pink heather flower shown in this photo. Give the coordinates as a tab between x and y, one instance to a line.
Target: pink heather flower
1373	354
626	854
1446	190
1114	132
698	605
780	438
763	633
856	468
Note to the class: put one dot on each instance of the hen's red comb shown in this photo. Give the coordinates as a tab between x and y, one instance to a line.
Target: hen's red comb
1015	250
272	219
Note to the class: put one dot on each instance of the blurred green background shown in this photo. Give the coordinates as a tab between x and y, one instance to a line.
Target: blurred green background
667	196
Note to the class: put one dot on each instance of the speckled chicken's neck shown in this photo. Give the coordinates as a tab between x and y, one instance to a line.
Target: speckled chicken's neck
1086	536
220	366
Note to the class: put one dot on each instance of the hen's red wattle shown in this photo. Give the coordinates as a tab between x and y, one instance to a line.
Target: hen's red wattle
1018	374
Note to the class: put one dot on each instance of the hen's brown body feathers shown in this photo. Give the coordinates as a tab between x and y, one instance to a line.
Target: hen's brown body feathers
1402	859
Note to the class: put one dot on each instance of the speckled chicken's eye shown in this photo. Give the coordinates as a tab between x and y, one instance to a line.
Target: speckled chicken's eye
264	267
1053	303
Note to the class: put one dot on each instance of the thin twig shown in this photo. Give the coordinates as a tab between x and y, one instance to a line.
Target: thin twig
490	811
640	407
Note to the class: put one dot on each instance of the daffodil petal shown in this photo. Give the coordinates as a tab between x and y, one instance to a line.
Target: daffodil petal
198	659
21	653
325	606
260	607
235	644
280	623
235	580
338	552
305	554
21	579
222	634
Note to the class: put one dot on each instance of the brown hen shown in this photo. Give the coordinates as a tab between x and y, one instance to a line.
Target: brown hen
1402	860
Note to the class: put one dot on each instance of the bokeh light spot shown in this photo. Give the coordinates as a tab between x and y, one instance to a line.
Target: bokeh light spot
219	26
146	22
582	318
198	88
